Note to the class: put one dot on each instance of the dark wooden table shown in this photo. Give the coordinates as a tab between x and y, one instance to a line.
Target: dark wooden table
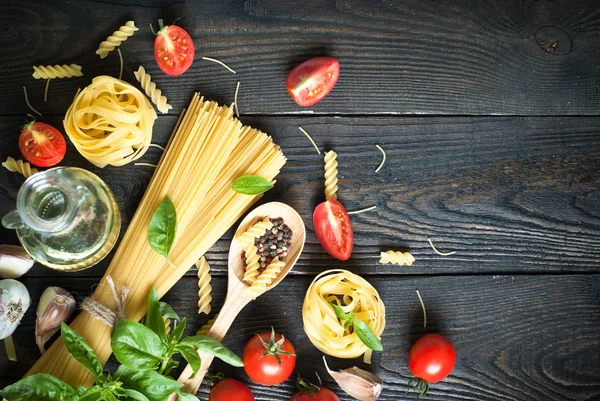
490	115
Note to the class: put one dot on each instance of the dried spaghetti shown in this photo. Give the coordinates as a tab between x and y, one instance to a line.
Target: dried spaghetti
356	295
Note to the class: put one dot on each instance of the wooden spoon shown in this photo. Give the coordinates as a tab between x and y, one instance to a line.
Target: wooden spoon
238	292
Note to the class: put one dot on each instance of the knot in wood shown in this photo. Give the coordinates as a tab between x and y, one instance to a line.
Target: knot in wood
553	40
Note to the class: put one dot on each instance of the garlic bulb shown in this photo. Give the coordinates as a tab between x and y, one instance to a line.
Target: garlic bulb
359	383
56	306
14	301
14	261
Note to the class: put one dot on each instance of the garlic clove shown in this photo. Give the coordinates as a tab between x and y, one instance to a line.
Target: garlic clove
14	302
359	383
56	306
14	261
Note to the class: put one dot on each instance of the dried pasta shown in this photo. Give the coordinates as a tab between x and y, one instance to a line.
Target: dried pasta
150	88
206	328
19	166
110	122
265	279
116	39
204	287
331	172
397	258
56	71
354	294
252	264
259	229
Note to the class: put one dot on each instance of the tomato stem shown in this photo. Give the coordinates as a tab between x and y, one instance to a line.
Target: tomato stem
420	385
274	347
212	380
306	387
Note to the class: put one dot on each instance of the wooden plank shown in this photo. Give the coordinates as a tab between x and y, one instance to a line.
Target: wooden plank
517	337
401	57
508	194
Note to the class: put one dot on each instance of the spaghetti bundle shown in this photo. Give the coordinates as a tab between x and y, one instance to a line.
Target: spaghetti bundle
354	294
208	151
110	122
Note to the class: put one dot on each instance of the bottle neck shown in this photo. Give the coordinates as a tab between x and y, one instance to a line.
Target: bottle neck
48	202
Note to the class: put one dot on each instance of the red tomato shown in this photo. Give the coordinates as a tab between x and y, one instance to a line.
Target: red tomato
432	358
230	390
173	49
42	144
312	80
334	229
269	358
311	392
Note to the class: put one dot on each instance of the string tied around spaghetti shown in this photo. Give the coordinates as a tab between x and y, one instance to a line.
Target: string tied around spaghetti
102	312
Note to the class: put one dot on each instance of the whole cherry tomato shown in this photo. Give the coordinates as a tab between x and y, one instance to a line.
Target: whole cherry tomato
269	358
310	392
230	390
431	359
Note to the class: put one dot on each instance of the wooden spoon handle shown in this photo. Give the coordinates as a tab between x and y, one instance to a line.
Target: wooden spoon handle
232	306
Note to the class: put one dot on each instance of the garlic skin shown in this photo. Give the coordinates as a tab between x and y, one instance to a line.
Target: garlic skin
14	302
359	383
14	261
56	306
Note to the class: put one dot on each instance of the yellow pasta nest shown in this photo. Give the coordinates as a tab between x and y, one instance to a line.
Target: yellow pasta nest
206	328
56	71
331	173
116	39
321	324
265	279
20	167
204	287
259	229
151	91
110	122
252	264
397	258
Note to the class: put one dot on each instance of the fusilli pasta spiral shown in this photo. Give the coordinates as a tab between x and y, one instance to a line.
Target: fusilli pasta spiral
56	71
259	229
331	172
167	325
206	328
116	39
204	287
252	264
267	276
20	167
397	258
152	91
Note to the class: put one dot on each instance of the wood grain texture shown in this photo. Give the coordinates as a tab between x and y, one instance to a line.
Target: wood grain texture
534	57
510	194
517	337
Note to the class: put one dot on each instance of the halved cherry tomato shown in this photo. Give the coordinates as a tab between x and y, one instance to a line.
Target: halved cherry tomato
230	390
173	49
42	144
334	229
269	358
312	80
431	359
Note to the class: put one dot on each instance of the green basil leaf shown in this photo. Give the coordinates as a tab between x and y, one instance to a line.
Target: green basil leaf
80	350
153	385
134	395
162	228
190	354
215	348
167	312
80	390
136	346
186	396
93	394
172	364
154	319
177	332
366	335
339	312
40	387
251	185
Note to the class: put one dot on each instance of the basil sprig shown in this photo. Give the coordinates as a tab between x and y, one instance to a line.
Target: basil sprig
251	185
362	330
162	229
146	353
